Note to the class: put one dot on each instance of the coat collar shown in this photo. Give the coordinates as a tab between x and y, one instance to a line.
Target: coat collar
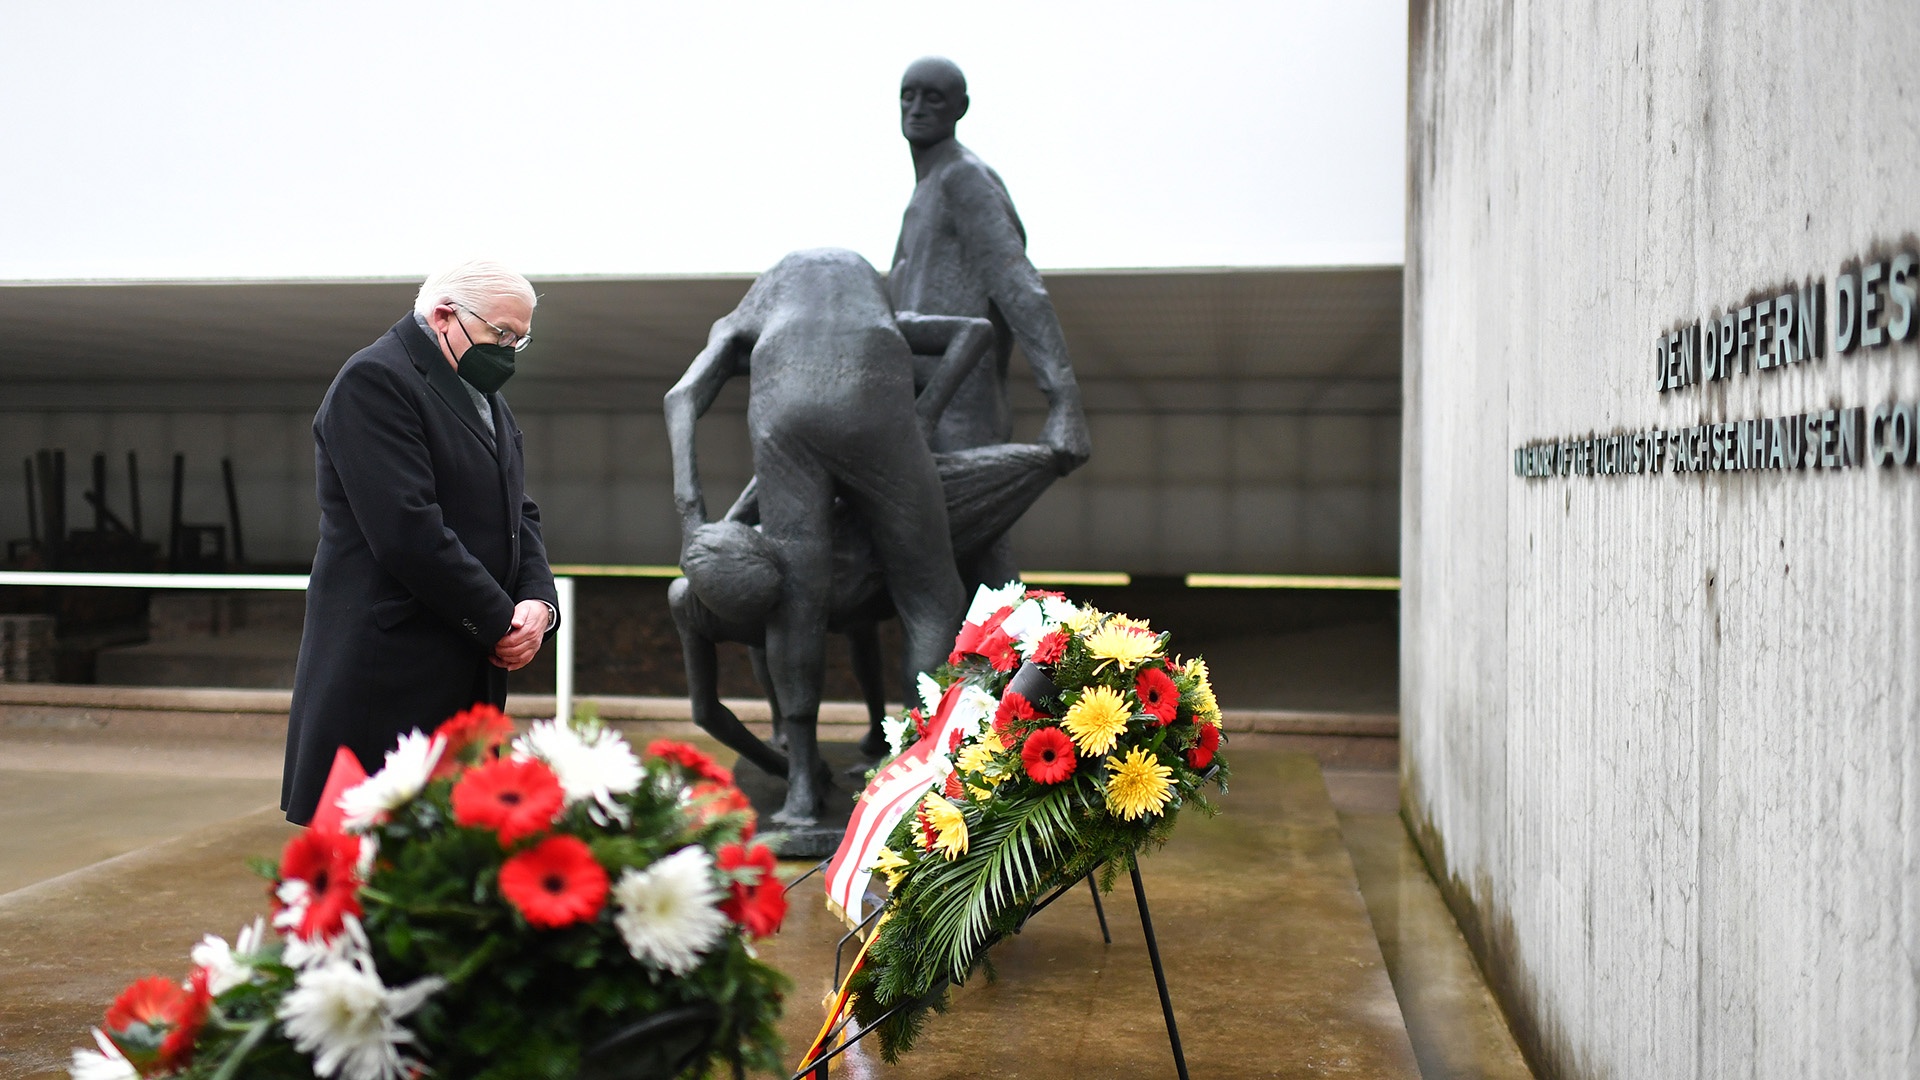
426	357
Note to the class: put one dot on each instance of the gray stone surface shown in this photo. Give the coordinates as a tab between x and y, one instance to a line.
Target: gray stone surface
1659	738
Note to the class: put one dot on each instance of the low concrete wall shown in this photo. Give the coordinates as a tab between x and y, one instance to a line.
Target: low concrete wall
153	710
1660	736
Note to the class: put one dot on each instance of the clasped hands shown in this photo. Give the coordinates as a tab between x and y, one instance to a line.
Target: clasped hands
524	635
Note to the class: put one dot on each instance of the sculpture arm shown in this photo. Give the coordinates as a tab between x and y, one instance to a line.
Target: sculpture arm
996	253
746	508
962	343
726	355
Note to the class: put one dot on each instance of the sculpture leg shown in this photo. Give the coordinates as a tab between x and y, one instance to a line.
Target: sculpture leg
906	514
864	640
796	500
757	655
796	658
993	566
703	687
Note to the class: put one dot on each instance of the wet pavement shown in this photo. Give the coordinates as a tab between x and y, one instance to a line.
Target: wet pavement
1272	958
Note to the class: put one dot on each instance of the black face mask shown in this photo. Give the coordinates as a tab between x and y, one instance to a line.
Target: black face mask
486	366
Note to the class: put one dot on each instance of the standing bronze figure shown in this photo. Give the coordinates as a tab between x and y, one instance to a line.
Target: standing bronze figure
963	251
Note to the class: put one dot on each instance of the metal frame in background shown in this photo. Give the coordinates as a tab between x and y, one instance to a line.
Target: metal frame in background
562	587
818	1068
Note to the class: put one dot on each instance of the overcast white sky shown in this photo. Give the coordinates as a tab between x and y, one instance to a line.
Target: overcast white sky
197	138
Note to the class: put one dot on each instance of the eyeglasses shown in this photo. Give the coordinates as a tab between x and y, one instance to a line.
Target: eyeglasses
511	340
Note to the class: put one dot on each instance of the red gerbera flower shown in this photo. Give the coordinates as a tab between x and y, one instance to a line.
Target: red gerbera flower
953	788
1158	696
328	863
1014	705
1050	648
1048	756
1200	755
1009	720
998	648
919	723
513	798
155	1023
177	1050
556	882
691	759
709	800
472	735
762	906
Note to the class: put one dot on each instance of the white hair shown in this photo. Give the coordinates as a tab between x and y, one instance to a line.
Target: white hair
472	285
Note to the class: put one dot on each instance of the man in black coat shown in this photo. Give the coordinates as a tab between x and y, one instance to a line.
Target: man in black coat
431	581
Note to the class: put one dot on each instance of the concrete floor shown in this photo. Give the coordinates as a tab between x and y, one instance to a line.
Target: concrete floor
1279	964
1456	1027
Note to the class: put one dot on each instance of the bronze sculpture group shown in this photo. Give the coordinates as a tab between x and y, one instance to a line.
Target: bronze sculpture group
884	478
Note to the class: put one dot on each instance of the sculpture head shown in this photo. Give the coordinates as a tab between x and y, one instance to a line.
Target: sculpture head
933	98
733	570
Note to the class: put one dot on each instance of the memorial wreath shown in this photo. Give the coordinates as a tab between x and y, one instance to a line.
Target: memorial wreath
486	906
1057	741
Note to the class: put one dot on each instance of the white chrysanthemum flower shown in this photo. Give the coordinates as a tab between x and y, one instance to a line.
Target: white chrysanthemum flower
409	766
301	953
929	695
670	913
226	966
895	729
369	851
293	894
1058	610
971	712
341	1013
597	765
106	1063
987	601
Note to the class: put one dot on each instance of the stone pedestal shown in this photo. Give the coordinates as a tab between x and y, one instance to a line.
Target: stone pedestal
847	769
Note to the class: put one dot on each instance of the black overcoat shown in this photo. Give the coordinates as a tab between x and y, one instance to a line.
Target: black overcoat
427	541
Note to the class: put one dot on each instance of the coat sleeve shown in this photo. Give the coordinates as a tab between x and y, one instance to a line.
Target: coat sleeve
374	437
536	577
533	578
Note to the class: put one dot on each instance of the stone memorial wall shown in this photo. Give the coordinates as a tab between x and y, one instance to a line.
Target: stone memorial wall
1661	526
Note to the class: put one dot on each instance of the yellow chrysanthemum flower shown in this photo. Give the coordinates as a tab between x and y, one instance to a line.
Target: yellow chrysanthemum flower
974	757
1085	619
1097	719
1122	645
1132	623
949	826
1138	785
1205	707
891	865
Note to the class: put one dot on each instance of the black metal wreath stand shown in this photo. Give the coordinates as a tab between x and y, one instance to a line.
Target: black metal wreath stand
818	1068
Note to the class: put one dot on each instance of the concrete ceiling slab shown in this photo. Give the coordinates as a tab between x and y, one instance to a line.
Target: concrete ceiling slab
1319	336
